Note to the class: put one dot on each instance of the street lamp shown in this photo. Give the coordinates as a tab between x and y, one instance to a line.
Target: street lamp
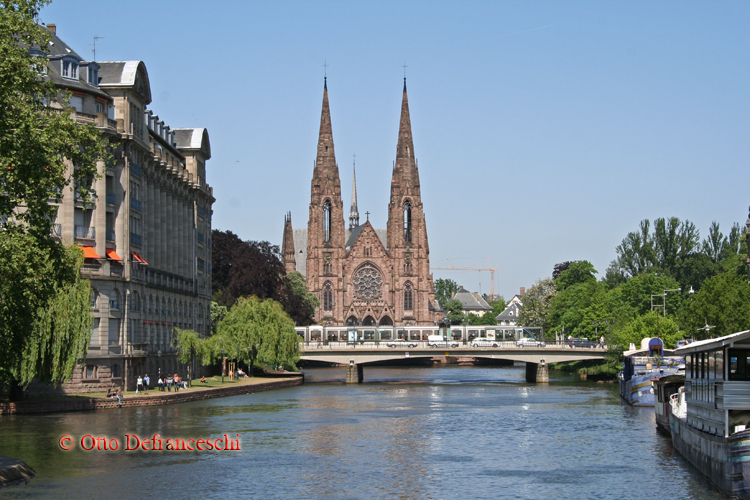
223	364
158	354
663	304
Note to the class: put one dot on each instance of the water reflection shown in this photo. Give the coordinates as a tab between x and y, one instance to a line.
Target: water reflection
452	432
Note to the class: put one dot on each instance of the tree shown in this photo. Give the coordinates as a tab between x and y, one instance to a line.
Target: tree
259	331
578	307
454	311
722	302
38	142
648	325
579	271
245	268
444	290
536	303
45	319
636	252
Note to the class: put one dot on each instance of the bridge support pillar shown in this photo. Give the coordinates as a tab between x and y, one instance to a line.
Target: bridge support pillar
354	374
537	373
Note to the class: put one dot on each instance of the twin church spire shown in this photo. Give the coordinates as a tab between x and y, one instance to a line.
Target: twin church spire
326	180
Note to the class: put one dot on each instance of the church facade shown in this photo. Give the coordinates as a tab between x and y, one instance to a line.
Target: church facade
362	275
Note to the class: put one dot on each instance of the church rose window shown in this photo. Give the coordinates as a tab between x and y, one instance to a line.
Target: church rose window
368	283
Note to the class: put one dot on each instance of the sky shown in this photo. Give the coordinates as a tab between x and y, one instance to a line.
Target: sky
545	131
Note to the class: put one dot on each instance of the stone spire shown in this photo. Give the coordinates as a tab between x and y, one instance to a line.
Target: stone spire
405	178
326	170
287	245
353	212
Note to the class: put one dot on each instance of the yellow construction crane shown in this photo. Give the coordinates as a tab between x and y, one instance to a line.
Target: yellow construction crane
488	268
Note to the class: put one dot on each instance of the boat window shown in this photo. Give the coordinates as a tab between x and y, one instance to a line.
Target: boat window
720	365
689	365
739	364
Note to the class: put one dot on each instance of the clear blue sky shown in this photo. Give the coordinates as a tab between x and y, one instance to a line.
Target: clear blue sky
545	131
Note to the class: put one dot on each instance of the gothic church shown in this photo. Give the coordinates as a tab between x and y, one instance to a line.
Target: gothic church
362	275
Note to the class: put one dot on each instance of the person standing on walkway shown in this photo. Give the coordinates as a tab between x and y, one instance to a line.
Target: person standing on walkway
160	382
169	384
146	382
139	384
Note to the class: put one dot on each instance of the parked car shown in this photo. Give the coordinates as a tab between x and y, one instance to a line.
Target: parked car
530	343
479	342
439	341
401	343
573	343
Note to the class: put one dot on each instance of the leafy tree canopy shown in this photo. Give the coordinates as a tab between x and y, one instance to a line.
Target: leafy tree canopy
651	324
722	302
244	268
45	322
579	271
444	290
536	303
454	310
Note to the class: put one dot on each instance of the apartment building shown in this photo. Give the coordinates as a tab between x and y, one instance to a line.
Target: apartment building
146	236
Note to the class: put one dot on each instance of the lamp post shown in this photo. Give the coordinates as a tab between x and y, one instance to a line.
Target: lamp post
158	354
223	364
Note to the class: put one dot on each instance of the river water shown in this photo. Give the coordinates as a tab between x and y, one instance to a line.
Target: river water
409	433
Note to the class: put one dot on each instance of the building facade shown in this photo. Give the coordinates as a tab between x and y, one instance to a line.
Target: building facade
146	236
363	275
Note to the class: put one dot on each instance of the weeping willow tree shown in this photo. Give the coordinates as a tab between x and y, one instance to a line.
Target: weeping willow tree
45	318
254	331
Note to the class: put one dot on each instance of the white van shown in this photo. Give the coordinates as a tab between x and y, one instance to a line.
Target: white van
440	341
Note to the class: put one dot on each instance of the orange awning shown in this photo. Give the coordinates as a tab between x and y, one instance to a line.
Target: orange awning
90	253
113	255
142	259
135	257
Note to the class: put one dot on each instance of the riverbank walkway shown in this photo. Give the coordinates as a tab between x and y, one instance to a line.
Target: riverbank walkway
199	391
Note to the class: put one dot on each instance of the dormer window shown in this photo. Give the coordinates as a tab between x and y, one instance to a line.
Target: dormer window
70	69
93	76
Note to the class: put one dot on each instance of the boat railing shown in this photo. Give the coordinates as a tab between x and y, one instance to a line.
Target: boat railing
677	402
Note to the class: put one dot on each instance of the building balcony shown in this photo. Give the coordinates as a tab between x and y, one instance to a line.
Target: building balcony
85	118
110	198
110	235
135	204
135	239
87	233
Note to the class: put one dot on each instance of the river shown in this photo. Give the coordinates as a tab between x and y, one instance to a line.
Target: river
409	433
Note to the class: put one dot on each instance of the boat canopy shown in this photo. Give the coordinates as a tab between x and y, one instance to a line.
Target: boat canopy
741	338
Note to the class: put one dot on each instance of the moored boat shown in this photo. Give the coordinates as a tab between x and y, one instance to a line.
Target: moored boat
710	419
643	367
665	388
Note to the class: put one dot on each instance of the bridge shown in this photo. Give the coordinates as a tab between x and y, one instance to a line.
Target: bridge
357	355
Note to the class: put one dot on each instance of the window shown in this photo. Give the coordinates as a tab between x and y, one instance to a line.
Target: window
94	77
327	221
115	370
408	297
327	296
407	221
70	69
739	364
94	297
114	300
89	371
100	107
76	101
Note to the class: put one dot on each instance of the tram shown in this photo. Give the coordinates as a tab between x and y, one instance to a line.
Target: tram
384	333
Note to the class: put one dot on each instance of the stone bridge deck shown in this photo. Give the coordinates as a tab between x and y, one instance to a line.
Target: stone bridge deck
357	355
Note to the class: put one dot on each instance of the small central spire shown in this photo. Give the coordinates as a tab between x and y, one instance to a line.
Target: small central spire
353	211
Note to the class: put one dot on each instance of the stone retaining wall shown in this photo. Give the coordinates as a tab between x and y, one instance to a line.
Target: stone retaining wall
83	403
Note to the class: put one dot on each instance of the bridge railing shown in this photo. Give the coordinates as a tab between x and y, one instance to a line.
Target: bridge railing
423	344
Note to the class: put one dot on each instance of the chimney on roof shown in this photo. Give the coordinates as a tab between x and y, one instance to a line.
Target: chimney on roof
453	294
52	28
476	296
523	290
